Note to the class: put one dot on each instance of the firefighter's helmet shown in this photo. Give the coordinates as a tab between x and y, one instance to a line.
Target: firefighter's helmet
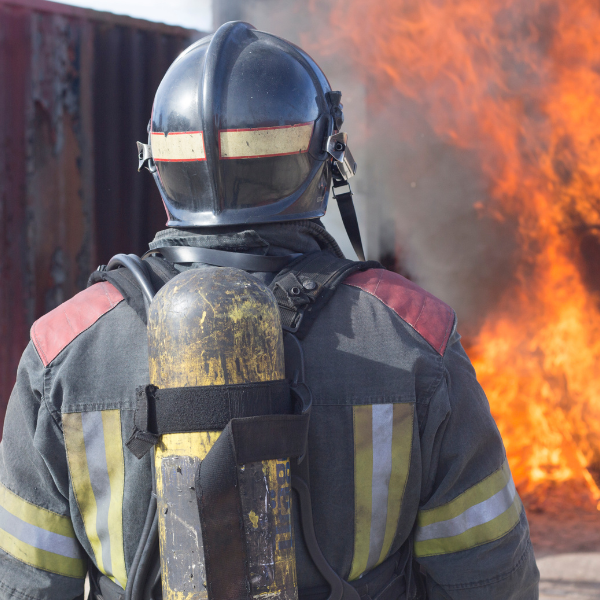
245	129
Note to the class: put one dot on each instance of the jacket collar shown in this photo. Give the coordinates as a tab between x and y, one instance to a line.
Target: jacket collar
275	239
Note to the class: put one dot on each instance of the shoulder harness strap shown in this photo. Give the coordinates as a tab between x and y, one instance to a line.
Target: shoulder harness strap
158	270
301	289
304	287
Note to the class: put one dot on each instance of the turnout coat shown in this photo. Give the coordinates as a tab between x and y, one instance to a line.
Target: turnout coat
410	485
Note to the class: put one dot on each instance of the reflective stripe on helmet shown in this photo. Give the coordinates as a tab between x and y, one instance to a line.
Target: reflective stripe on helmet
382	448
41	538
485	512
178	146
95	454
263	142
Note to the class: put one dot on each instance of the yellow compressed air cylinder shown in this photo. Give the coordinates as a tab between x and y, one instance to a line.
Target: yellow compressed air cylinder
218	326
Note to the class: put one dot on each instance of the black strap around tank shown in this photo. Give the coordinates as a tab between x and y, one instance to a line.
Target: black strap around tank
203	408
244	441
222	258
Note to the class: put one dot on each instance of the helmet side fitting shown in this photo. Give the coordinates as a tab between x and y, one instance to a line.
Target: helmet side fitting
245	129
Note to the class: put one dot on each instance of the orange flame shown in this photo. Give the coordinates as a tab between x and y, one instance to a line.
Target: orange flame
519	83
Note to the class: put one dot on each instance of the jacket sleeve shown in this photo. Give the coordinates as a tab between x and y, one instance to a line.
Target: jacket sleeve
472	537
40	557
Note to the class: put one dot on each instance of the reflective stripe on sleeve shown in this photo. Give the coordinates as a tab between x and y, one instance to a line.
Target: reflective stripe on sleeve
41	538
95	455
482	514
382	448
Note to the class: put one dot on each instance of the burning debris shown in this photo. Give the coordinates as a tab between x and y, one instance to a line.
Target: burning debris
515	85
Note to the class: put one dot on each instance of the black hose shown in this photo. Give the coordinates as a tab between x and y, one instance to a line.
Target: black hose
148	552
147	544
136	582
153	578
138	566
145	267
137	271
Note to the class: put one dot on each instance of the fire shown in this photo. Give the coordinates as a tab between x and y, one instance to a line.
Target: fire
519	84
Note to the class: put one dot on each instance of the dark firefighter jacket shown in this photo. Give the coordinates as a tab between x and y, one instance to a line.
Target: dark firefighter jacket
405	458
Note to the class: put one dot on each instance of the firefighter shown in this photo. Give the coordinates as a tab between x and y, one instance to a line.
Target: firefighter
412	495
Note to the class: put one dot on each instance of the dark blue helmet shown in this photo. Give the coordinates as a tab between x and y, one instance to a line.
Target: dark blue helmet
245	129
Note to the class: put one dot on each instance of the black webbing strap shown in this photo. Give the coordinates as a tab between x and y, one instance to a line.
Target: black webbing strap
269	437
218	494
387	581
305	287
339	589
348	214
102	588
222	258
302	288
350	221
206	408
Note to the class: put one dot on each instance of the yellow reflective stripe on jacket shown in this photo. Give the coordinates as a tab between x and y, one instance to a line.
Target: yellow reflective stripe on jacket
363	476
39	537
482	514
95	454
383	436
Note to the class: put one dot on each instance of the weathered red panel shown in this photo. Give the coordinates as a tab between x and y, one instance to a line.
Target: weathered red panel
53	332
76	91
426	314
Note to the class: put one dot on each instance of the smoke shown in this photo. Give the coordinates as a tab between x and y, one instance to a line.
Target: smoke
432	198
421	201
427	202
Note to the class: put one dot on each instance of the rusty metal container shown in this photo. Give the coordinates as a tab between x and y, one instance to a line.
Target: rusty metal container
76	92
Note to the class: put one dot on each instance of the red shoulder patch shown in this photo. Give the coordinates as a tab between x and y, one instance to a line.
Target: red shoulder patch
55	331
430	317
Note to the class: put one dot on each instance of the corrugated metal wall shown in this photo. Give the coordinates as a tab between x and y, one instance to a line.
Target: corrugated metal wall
76	91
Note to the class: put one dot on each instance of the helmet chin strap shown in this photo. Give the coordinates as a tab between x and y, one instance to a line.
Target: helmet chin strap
348	214
343	167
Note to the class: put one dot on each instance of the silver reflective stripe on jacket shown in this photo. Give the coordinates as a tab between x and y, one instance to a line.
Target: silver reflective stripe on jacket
39	537
95	454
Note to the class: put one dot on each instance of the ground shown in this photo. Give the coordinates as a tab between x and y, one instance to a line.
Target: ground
566	540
